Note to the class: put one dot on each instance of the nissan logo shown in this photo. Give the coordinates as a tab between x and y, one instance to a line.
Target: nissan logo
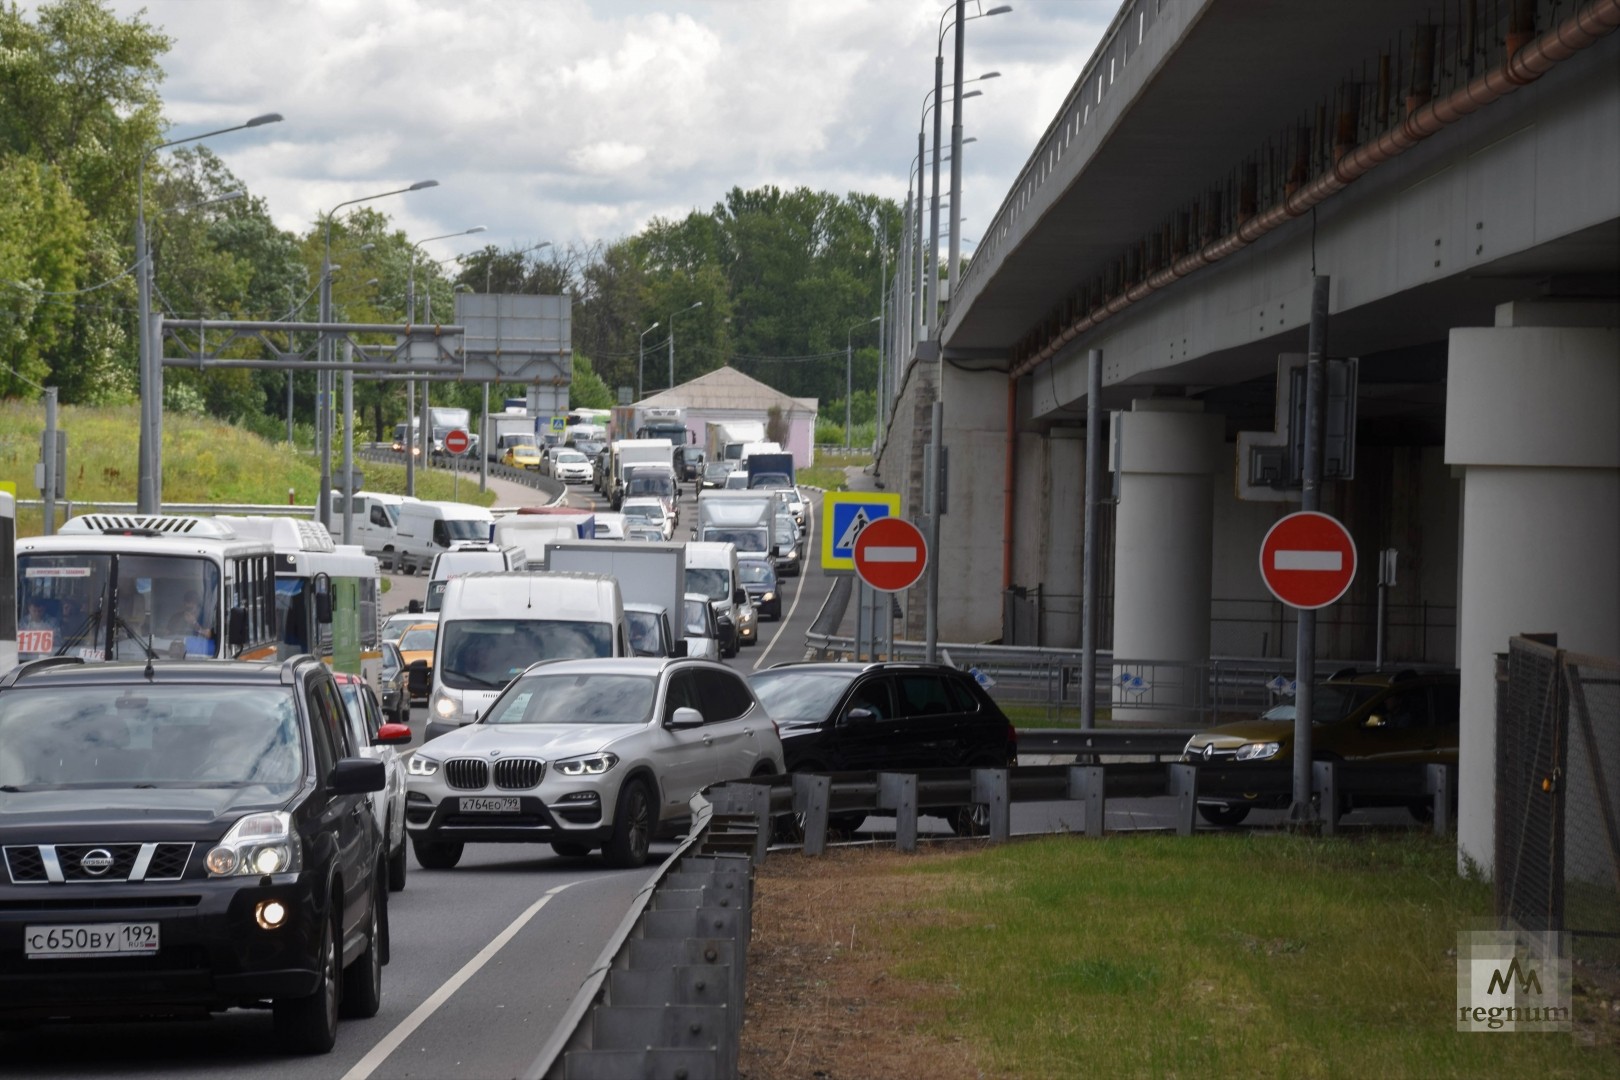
96	862
1209	751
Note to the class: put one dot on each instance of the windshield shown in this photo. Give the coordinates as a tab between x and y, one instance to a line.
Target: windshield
569	457
660	483
715	584
799	697
745	539
756	573
484	654
1329	703
395	627
644	512
575	699
645	640
467	530
69	605
125	737
420	639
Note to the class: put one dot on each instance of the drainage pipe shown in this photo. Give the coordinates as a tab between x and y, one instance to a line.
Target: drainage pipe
1580	31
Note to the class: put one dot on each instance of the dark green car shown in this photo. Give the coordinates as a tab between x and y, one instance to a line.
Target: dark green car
1388	718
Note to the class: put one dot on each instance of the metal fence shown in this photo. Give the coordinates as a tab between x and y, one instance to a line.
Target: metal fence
1557	858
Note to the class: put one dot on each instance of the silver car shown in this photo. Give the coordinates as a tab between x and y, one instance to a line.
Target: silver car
586	754
374	739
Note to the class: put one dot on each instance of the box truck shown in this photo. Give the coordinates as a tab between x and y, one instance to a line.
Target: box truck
649	573
724	439
744	518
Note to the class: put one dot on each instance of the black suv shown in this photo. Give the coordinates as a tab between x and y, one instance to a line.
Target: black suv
854	717
179	837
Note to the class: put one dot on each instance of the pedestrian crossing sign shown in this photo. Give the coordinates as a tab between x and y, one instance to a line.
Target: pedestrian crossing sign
844	514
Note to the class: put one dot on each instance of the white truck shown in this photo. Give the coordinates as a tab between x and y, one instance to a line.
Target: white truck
374	521
426	528
469	557
711	570
649	573
628	452
493	626
724	439
744	518
517	423
532	532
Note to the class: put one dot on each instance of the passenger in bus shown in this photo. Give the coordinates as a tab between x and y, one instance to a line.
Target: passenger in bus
35	618
189	620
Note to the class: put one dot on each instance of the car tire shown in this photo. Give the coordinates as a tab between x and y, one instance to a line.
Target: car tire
633	826
570	850
399	865
1225	815
308	1025
436	856
362	980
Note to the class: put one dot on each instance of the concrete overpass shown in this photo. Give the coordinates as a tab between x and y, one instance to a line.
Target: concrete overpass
1455	171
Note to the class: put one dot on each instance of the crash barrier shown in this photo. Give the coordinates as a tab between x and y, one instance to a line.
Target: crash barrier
812	801
666	996
1206	692
469	468
72	507
1557	856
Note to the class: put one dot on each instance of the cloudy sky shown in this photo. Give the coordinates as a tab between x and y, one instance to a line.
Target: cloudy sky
577	121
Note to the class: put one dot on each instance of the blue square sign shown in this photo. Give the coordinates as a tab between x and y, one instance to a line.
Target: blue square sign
845	514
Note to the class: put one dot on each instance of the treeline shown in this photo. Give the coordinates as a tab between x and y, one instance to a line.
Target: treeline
781	277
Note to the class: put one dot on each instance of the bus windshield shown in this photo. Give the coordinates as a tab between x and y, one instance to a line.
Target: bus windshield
109	606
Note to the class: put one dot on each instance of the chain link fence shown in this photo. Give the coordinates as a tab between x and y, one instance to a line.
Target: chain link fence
1558	796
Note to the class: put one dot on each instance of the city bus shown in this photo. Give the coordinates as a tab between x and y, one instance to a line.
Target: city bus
313	581
8	581
145	586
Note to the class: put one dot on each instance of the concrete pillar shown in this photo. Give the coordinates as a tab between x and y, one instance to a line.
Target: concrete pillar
971	530
1062	508
1163	533
1531	424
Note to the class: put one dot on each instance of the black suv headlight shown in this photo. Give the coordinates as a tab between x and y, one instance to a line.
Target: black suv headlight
257	844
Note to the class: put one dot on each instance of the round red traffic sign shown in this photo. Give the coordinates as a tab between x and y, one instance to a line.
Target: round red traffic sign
890	554
1308	559
457	441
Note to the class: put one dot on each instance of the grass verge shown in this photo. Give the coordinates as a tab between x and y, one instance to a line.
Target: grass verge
1241	954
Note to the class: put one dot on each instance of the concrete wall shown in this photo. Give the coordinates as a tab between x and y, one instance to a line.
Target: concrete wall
971	533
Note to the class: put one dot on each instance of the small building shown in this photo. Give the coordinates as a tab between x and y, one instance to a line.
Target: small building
726	394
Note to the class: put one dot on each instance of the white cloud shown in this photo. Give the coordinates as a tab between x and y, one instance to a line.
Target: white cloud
579	120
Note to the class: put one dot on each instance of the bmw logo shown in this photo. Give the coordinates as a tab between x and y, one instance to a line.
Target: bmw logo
96	862
1209	751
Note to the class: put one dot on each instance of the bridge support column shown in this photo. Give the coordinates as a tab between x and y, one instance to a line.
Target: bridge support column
1531	428
1163	536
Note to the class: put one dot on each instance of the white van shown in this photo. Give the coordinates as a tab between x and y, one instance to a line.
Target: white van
470	558
711	569
493	626
374	521
427	528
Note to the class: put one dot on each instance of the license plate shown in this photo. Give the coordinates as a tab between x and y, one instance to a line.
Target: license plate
91	939
488	805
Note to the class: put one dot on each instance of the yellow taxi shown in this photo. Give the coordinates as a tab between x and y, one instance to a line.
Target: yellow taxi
416	646
522	456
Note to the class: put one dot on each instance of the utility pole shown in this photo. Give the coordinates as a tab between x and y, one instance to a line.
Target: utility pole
50	475
1301	813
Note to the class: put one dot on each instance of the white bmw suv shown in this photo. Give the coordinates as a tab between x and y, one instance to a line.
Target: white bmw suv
586	754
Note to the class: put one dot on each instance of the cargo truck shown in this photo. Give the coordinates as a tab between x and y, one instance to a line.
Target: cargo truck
746	519
766	470
652	422
628	452
724	440
649	573
519	424
532	532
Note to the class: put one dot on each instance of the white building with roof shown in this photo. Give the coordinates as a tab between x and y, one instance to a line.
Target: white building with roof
726	394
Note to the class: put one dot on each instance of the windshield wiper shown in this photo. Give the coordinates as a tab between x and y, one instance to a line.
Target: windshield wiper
92	619
493	684
136	637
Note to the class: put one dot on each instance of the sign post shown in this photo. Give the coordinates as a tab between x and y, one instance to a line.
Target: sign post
456	443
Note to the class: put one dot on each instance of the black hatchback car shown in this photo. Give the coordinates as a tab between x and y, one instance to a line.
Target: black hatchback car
837	717
179	838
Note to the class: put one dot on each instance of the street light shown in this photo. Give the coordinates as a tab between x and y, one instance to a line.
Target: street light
641	363
324	376
149	485
672	340
956	145
849	372
929	253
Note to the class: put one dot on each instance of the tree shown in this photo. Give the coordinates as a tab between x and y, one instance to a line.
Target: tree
587	390
42	230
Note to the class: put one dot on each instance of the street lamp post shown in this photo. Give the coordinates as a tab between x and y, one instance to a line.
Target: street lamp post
928	253
325	502
672	340
411	421
149	483
849	372
956	147
641	362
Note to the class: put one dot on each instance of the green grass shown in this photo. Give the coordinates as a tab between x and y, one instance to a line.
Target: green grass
204	460
828	471
1224	955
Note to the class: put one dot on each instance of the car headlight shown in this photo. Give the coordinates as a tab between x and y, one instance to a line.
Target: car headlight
445	706
768	597
1256	750
257	844
588	765
1187	751
417	765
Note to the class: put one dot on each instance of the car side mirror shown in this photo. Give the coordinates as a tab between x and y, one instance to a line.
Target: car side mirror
236	627
740	596
357	776
323	607
678	648
392	735
686	718
860	714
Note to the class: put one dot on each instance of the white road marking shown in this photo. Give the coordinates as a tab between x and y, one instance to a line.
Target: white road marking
873	553
798	589
391	1042
1307	560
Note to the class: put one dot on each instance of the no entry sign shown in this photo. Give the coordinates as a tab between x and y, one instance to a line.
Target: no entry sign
457	441
1308	559
890	554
